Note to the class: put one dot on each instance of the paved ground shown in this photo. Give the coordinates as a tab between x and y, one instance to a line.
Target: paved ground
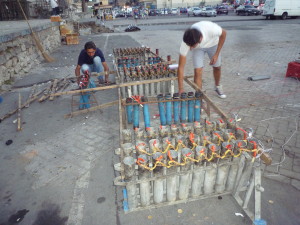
61	170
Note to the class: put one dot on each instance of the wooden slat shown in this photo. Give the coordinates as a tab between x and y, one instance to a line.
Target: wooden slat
115	86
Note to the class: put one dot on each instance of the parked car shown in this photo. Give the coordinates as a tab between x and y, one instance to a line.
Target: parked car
191	10
183	10
165	11
222	10
208	11
247	10
154	12
174	11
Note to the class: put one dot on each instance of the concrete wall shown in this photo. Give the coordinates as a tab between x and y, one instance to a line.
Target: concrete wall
20	54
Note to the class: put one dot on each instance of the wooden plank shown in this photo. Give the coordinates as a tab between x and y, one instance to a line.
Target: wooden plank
31	94
115	86
46	93
207	99
79	112
53	90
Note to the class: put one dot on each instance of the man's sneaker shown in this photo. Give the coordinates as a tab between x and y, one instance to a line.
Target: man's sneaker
219	91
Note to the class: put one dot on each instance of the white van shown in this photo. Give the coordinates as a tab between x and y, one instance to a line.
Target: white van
281	8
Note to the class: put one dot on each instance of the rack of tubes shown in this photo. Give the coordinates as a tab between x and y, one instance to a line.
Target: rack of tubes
139	64
184	156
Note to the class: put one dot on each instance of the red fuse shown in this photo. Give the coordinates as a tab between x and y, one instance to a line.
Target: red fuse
293	70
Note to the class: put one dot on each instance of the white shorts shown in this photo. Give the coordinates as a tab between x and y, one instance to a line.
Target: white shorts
198	56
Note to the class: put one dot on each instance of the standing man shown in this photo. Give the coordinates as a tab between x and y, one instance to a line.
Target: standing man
54	6
91	59
203	37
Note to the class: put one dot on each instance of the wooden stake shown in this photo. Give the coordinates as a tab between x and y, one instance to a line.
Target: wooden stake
22	106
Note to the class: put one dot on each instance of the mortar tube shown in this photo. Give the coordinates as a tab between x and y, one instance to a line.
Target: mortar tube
190	107
146	113
172	179
185	179
183	108
158	190
129	109
168	109
176	108
223	169
127	149
197	110
163	120
144	185
136	116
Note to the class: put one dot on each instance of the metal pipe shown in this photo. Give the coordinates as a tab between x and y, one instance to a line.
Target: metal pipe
129	109
176	108
163	120
190	107
197	111
168	109
146	113
183	108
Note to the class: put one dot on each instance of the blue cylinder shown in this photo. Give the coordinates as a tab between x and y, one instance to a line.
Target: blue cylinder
161	108
129	110
183	108
260	222
176	108
191	107
127	62
197	111
168	109
136	116
146	113
150	60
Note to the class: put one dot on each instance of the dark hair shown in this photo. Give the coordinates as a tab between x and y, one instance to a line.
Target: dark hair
192	36
89	45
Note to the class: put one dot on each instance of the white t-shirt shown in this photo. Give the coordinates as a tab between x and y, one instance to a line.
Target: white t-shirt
211	33
53	3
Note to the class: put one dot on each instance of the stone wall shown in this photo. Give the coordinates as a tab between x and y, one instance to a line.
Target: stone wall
19	55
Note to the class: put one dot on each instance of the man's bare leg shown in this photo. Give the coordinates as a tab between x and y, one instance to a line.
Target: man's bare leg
198	77
217	75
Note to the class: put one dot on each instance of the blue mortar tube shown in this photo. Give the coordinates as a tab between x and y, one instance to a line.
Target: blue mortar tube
190	107
125	202
129	110
197	111
162	115
168	109
183	108
136	116
150	60
146	113
176	108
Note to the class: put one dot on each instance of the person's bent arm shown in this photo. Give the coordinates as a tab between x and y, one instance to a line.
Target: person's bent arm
180	73
77	72
106	70
222	39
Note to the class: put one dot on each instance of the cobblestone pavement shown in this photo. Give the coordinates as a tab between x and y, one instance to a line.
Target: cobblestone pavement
61	170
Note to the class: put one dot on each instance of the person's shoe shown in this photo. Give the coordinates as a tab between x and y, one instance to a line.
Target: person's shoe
219	91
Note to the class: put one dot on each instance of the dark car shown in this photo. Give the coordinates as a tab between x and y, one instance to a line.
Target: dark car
222	10
153	12
247	10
